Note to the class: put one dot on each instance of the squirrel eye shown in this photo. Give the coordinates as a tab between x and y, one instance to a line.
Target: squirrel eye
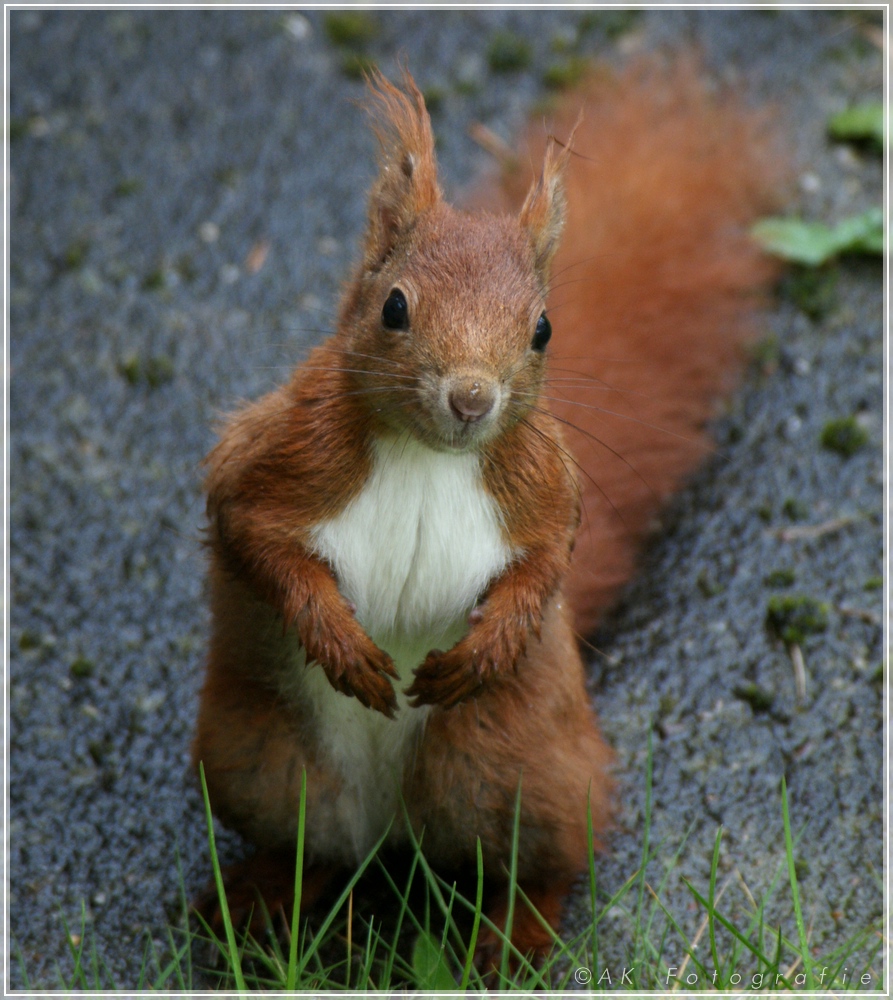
395	314
542	334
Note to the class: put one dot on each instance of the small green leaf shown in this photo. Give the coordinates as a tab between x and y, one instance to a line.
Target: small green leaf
862	233
814	243
796	240
862	121
430	967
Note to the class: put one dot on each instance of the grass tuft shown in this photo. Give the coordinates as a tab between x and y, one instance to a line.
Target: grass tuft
427	940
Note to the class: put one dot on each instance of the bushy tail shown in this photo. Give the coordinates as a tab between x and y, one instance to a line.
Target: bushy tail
653	294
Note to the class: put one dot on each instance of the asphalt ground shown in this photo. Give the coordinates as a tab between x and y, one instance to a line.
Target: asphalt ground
186	189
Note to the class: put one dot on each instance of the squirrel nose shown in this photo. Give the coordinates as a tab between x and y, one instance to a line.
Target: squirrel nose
471	401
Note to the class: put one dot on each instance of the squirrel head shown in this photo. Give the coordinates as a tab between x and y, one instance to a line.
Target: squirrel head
444	322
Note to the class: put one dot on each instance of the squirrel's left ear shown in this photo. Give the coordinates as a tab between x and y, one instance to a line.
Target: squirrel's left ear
544	208
407	179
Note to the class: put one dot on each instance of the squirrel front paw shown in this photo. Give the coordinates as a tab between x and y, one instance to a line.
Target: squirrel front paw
445	679
365	677
332	637
360	670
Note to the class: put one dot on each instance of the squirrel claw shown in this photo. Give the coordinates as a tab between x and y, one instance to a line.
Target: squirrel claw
389	669
364	675
444	681
377	693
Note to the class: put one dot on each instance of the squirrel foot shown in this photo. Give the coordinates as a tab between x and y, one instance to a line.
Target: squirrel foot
260	893
529	936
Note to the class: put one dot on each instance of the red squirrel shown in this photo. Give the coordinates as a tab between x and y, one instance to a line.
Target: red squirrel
395	585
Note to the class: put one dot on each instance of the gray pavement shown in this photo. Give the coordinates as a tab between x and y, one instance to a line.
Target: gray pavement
186	190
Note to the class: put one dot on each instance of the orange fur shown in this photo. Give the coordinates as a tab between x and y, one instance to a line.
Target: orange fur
655	287
439	359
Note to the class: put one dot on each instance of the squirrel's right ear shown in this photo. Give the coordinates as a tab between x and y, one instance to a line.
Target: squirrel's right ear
544	208
407	179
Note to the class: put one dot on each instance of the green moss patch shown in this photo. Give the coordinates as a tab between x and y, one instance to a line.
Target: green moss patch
350	29
780	578
844	435
794	617
508	52
759	699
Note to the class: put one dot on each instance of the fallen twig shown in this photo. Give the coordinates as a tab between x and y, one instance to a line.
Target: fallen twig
796	654
814	530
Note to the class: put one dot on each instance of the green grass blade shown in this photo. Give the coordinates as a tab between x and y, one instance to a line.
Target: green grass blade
149	947
512	886
500	934
364	977
292	973
536	980
233	952
401	915
185	984
102	974
77	950
696	962
711	922
174	967
593	881
433	881
795	894
23	969
318	939
638	937
662	885
733	930
476	924
778	947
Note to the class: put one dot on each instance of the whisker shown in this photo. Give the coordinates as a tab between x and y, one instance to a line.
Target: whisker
590	382
356	371
359	354
601	359
583	260
317	331
569	383
562	452
564	284
378	388
634	420
604	444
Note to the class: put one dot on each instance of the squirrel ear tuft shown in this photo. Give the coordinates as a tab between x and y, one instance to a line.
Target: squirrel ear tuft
407	179
543	211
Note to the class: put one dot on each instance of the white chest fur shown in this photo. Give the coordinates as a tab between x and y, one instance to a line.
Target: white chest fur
413	552
418	545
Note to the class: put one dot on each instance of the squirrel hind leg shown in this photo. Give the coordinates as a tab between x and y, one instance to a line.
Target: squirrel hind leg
528	935
260	893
